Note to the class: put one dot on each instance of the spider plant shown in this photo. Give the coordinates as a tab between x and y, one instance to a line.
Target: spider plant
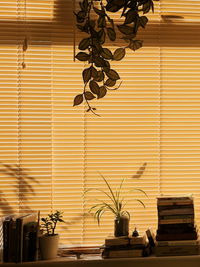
116	200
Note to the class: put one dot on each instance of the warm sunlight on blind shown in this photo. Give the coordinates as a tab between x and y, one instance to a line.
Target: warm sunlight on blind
50	151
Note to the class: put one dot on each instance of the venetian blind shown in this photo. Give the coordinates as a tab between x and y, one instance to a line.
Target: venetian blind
51	152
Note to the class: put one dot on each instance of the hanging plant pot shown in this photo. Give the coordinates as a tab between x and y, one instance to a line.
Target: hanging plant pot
121	226
48	246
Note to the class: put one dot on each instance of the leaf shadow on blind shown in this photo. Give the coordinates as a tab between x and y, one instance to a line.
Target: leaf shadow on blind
22	187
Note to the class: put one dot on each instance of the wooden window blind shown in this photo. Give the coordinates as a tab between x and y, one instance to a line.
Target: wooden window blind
50	151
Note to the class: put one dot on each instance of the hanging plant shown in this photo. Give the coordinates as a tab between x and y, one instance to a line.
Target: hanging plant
99	76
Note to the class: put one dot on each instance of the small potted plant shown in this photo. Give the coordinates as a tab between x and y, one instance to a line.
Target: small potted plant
49	240
115	202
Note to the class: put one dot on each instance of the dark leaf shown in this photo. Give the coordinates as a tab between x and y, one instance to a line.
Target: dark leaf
115	5
110	83
111	34
85	4
102	36
78	100
99	62
82	28
100	76
131	15
143	21
146	7
82	56
84	44
113	75
135	44
94	72
88	95
81	14
100	12
119	53
94	87
106	66
79	19
106	53
125	29
86	75
101	22
102	92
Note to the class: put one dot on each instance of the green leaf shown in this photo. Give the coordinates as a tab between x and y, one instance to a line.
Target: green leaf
78	100
113	75
110	82
143	21
119	53
88	95
86	75
135	44
125	29
111	34
106	53
102	92
84	44
82	56
94	87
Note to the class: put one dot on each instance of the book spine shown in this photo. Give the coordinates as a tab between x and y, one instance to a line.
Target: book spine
177	250
18	236
6	240
173	237
173	203
176	212
177	221
177	243
175	217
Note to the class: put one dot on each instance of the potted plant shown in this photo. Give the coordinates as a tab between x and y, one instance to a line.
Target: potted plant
115	203
49	240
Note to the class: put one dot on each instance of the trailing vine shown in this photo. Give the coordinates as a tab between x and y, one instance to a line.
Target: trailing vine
99	77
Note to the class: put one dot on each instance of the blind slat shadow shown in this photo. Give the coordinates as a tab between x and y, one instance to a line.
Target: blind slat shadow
58	30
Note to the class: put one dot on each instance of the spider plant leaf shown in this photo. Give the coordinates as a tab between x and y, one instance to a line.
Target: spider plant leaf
111	191
140	171
108	206
126	213
119	190
140	202
100	190
140	190
94	207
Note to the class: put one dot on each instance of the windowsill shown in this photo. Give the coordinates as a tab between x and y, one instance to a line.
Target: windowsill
89	261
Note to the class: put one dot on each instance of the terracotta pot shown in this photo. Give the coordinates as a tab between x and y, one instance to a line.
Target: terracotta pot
48	246
121	226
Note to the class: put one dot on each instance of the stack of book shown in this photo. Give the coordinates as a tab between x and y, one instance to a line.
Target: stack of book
125	247
177	233
20	234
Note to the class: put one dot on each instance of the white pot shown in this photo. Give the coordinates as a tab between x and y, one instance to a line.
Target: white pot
48	246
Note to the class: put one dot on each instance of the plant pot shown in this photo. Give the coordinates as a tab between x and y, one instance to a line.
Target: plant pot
121	226
48	246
